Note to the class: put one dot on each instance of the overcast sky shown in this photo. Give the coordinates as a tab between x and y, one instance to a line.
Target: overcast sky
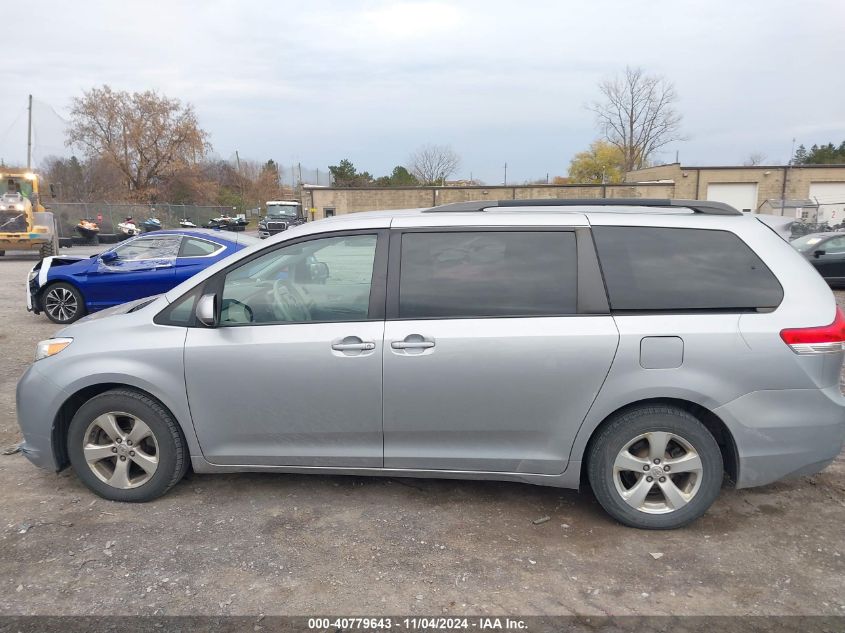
318	81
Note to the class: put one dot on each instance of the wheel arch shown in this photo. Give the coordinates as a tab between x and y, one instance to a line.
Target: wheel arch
712	422
71	405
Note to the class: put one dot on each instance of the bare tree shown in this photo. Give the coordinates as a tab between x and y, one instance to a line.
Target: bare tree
146	135
754	158
433	164
637	115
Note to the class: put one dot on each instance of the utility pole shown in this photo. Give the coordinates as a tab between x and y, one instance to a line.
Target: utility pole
785	177
505	182
29	136
241	180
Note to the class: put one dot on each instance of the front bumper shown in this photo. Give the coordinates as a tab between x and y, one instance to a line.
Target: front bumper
38	402
785	433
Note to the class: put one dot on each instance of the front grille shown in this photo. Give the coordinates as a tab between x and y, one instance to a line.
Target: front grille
13	222
277	226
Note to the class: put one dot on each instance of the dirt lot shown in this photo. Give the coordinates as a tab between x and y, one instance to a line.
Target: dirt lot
285	544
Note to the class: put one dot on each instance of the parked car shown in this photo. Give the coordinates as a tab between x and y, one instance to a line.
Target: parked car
646	346
826	252
67	288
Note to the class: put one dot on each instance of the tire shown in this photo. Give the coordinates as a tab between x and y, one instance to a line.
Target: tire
149	466
47	250
2	253
684	494
62	303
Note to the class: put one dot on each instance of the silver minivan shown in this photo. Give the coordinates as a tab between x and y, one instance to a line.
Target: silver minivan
652	348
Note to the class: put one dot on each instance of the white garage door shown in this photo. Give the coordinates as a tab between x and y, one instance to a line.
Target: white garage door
740	195
831	199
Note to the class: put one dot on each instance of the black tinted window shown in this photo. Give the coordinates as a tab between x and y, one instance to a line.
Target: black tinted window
648	268
487	273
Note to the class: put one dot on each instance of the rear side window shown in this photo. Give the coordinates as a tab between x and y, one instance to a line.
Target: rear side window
648	268
487	274
195	247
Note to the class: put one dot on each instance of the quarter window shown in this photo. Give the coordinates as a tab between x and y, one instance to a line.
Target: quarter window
326	279
487	274
194	247
651	268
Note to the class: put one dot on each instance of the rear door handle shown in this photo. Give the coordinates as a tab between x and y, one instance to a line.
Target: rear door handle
345	347
412	344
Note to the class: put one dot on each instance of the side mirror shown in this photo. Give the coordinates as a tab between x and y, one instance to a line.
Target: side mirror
818	253
206	310
319	271
109	256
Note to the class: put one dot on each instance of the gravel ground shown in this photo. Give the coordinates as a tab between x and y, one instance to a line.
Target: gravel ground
287	544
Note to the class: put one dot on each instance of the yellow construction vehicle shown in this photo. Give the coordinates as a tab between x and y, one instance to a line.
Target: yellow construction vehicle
25	225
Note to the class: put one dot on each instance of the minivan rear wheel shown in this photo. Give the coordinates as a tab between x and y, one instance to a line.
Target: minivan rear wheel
125	446
655	467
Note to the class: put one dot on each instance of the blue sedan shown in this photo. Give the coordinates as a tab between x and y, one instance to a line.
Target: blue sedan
66	288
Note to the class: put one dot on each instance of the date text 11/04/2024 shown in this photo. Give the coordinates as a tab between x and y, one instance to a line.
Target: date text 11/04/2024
417	623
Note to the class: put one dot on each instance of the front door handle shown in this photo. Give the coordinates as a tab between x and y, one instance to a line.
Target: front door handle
412	344
361	347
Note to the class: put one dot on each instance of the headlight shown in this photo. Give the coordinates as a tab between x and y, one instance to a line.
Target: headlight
51	346
32	275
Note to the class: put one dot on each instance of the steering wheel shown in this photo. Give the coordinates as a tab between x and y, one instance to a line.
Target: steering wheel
288	304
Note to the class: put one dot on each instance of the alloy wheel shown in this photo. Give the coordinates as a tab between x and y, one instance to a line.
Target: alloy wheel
657	472
121	450
60	303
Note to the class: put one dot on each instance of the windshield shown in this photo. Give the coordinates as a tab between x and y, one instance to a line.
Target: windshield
282	211
16	185
806	242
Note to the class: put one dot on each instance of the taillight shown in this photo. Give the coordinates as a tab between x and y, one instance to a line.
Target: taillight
817	340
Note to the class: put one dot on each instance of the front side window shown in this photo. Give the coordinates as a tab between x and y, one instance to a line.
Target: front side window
147	253
149	247
676	269
327	279
835	246
487	274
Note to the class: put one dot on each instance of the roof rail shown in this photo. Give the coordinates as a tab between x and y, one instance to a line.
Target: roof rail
707	207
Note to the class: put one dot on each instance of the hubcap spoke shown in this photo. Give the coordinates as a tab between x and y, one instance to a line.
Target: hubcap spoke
139	432
674	497
148	462
689	463
108	422
626	461
120	476
637	494
657	441
96	452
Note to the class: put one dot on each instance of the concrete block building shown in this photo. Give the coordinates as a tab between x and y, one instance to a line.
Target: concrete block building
746	188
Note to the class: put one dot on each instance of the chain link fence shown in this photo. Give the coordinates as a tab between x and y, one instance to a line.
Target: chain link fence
108	215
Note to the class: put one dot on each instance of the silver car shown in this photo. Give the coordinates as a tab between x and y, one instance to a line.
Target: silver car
648	347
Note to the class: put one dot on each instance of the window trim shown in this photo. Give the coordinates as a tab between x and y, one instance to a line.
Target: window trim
214	284
591	297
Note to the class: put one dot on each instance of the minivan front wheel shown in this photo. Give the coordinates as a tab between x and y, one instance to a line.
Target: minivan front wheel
125	446
655	467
